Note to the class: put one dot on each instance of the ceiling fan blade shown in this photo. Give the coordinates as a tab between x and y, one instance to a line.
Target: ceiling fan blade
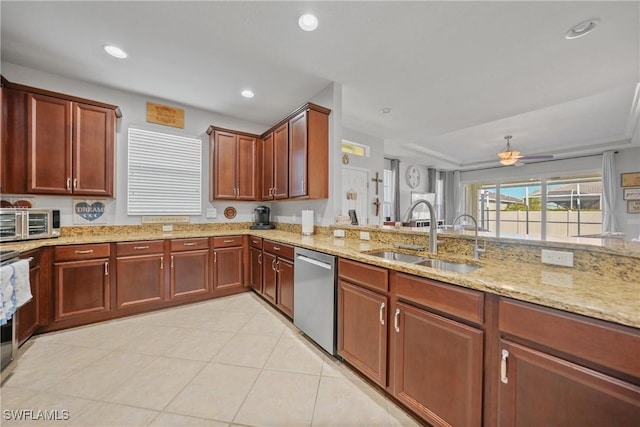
539	157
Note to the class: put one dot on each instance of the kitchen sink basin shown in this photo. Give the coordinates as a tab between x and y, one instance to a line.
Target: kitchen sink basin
455	267
397	256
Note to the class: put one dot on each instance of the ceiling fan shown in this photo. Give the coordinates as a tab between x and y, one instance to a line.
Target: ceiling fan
508	156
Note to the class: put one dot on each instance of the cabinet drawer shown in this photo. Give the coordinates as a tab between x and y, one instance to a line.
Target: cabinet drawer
372	277
255	242
227	241
140	248
279	249
78	252
179	245
606	344
462	303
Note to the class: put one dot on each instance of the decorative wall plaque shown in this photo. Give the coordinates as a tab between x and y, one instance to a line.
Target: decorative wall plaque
165	115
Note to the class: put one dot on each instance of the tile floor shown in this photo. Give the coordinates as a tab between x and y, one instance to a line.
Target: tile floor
233	361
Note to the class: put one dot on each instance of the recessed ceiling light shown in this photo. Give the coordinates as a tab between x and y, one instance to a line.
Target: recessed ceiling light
308	22
582	29
115	51
247	93
385	110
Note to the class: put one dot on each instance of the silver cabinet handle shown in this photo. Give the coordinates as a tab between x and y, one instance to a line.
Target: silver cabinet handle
503	367
106	268
259	258
75	183
190	244
162	263
396	320
278	266
215	256
88	251
172	262
140	248
228	241
381	313
68	184
273	265
276	248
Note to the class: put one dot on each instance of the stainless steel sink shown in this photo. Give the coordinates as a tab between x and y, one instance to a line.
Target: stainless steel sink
455	267
397	256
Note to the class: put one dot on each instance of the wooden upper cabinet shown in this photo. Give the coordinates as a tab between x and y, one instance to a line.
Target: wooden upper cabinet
49	133
266	159
13	147
234	165
281	162
309	153
93	147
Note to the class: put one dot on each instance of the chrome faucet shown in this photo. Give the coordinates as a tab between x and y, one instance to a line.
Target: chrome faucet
476	249
433	223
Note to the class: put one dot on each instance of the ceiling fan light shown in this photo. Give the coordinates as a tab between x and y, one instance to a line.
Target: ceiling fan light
504	155
508	161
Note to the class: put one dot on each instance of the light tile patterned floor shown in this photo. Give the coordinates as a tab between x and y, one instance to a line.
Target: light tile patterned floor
232	361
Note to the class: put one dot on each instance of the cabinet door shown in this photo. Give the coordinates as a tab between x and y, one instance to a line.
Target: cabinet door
281	162
542	390
247	167
13	142
227	268
267	167
139	281
223	165
284	269
81	288
438	367
93	140
189	273
28	315
269	276
298	155
255	269
49	145
362	330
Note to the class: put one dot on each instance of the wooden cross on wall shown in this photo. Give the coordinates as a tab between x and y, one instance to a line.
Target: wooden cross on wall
377	180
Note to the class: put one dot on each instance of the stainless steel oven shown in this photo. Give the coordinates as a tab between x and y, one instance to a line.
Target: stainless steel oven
8	339
24	224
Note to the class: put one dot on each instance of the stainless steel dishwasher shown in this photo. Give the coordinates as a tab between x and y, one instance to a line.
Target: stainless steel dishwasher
314	297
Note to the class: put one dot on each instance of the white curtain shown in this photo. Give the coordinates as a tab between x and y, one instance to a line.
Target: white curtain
609	189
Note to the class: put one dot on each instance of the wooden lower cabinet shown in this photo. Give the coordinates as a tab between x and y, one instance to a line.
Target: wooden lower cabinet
255	269
227	269
140	275
269	277
189	273
438	367
81	288
33	314
284	271
539	389
362	330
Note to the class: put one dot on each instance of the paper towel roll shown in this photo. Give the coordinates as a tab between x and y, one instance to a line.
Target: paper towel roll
307	223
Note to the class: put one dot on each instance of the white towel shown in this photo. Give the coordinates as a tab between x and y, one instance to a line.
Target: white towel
15	289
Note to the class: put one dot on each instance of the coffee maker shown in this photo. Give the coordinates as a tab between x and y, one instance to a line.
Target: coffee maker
261	216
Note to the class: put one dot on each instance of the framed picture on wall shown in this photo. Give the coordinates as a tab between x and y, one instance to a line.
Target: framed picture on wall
633	206
631	179
631	194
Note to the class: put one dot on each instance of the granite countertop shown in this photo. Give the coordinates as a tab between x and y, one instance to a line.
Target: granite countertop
602	297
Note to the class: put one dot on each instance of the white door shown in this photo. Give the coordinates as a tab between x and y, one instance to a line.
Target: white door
355	192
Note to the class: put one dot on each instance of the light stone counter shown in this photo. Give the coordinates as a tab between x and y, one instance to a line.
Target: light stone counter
601	293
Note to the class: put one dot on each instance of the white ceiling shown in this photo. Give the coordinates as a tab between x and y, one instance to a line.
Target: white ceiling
458	76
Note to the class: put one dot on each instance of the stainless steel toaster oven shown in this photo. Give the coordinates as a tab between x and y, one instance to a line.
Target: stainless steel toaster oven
24	224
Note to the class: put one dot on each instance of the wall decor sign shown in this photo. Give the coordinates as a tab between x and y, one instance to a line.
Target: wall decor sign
631	194
89	211
633	206
165	115
631	179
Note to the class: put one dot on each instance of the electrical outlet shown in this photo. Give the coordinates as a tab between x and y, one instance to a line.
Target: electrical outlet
364	235
564	259
338	233
212	213
167	227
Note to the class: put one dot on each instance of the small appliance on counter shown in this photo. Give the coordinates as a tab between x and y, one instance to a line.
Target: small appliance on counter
261	219
24	224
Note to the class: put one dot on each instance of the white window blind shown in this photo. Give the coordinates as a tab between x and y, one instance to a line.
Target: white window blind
165	174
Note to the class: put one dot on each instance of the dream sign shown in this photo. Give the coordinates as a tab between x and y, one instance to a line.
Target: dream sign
89	212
